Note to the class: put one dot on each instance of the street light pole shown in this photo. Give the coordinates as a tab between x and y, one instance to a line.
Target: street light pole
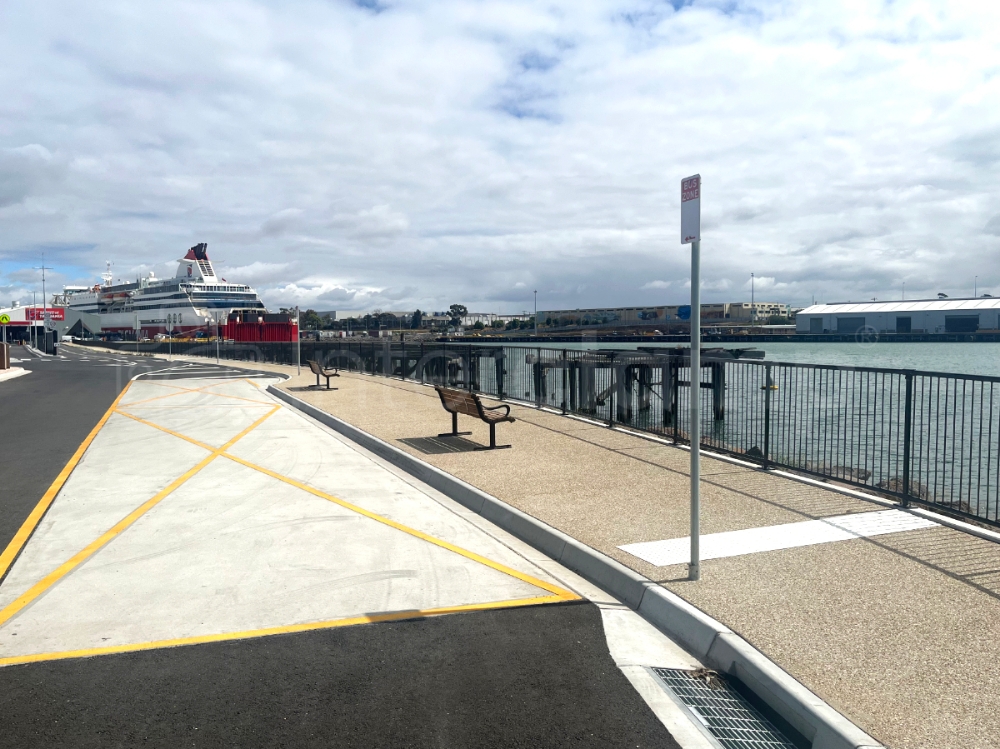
298	342
45	309
536	313
753	309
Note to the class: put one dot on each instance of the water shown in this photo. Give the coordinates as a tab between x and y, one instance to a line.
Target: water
954	358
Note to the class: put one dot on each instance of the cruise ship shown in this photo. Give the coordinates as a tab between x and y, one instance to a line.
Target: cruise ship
194	299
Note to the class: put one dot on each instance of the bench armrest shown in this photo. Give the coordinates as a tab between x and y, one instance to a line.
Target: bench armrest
494	408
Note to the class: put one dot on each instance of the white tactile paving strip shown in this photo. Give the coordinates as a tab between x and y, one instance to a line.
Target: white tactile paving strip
775	537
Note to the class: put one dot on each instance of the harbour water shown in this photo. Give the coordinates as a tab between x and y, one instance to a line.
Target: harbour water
953	358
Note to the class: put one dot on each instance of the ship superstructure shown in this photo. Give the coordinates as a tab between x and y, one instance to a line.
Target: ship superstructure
194	299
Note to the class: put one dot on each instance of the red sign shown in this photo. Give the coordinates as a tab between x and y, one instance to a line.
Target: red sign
55	313
690	189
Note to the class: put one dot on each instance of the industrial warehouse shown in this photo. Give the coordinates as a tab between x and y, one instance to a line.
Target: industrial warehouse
941	315
731	313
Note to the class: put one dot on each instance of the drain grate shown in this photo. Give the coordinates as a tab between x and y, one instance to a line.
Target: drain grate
725	713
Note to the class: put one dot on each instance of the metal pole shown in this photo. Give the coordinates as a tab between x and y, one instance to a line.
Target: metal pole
34	314
907	438
298	344
216	337
536	313
694	568
136	333
45	309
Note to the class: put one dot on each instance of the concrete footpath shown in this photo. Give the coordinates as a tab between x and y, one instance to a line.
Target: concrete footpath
888	617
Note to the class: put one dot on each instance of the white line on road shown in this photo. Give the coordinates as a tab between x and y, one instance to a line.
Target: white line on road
775	537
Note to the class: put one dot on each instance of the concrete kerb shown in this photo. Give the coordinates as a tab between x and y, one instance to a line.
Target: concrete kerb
10	374
709	640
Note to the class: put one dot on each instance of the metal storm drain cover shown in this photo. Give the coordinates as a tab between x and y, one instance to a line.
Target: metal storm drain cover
724	712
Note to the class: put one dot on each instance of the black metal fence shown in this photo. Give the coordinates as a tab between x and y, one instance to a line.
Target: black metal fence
922	437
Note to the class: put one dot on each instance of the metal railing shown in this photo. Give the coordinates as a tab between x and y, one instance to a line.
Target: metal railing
921	437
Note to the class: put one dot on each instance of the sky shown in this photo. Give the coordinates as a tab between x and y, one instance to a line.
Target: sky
390	155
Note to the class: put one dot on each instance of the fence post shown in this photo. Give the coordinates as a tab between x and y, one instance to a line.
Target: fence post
675	396
564	382
538	377
767	415
501	372
907	438
613	383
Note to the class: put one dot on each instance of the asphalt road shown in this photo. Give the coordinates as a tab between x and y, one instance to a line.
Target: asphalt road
528	677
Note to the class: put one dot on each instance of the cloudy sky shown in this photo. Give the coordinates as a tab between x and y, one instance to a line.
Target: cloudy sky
399	154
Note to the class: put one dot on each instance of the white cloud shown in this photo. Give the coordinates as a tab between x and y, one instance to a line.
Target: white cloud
658	285
446	150
280	222
379	221
26	170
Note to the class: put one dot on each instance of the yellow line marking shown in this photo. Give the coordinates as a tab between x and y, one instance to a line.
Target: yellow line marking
554	589
197	406
32	521
564	594
281	630
82	556
171	432
183	390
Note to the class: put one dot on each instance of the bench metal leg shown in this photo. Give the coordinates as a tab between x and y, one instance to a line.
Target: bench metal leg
493	440
327	382
454	428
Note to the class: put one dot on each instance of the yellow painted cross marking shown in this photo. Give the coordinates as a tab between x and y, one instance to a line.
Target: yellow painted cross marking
32	521
82	556
557	594
554	589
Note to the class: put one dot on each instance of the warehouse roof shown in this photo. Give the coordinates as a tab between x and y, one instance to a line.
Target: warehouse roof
917	305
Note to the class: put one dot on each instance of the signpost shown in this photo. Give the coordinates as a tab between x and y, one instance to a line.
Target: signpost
691	234
5	321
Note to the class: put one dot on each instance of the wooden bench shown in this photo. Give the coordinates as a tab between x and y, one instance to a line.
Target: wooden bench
458	402
327	373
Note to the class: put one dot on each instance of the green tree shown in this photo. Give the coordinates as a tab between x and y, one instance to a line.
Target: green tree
417	319
497	324
479	325
457	312
311	320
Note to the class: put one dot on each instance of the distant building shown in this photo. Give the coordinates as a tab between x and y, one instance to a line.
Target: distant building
488	318
729	313
917	316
